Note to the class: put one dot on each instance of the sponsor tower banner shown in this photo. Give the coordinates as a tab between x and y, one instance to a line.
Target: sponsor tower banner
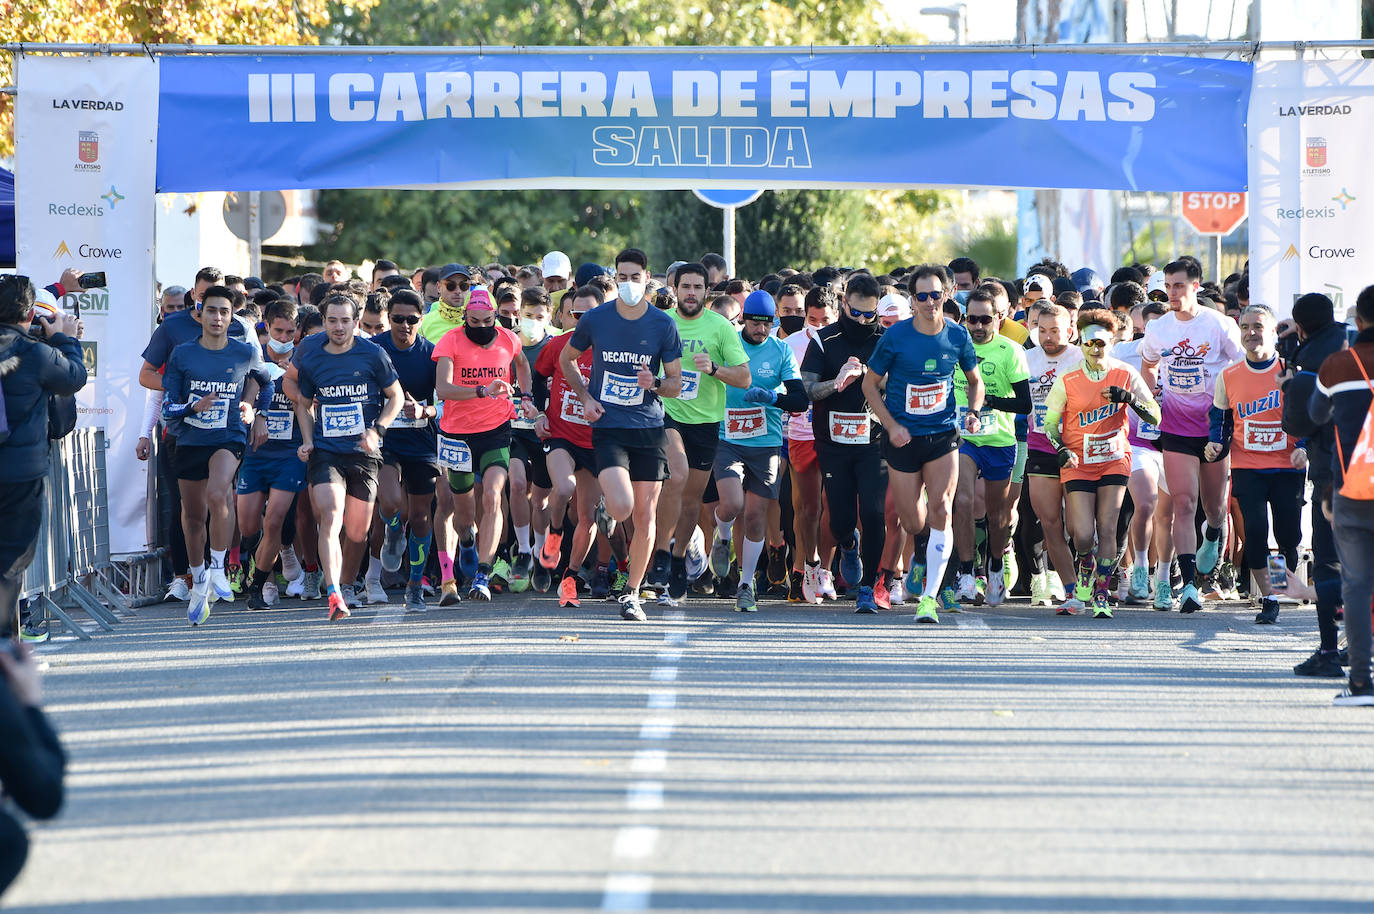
1311	184
86	132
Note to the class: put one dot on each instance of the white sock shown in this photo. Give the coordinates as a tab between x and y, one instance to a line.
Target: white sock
217	558
522	537
937	560
539	538
725	529
374	570
196	572
1162	573
749	559
1142	559
290	563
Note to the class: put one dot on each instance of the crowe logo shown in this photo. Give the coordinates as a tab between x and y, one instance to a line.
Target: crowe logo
1291	253
62	251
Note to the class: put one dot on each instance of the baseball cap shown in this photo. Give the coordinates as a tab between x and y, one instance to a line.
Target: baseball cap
479	299
1064	284
1041	282
1156	284
894	305
453	269
556	263
758	305
252	283
1088	283
587	272
45	304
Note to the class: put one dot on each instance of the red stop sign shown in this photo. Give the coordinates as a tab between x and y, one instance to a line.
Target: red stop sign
1219	213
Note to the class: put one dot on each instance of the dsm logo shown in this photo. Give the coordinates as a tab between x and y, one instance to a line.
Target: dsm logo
87	302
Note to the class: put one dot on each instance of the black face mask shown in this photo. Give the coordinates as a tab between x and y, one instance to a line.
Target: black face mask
507	322
480	335
792	323
856	331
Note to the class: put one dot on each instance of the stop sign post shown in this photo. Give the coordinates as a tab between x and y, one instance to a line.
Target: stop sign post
1216	214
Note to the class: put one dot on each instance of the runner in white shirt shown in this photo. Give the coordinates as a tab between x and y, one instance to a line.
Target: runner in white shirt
1183	352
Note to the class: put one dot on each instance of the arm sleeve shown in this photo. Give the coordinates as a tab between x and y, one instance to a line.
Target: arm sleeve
1216	424
793	400
152	409
175	402
1019	402
1057	398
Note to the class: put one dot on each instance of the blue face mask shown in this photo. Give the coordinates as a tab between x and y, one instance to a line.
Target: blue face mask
280	348
962	297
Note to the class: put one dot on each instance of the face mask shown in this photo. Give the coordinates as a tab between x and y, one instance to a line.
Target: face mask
480	335
791	323
280	348
507	322
531	332
962	297
273	370
631	292
856	331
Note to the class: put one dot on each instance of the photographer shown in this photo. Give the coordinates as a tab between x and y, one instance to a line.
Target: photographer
31	758
32	368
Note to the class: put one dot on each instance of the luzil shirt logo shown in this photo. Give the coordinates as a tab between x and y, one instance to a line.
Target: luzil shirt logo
1096	415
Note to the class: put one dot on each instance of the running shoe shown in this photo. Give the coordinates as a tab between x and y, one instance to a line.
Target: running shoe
1355	695
865	601
1102	605
552	551
881	595
657	578
541	578
374	594
1322	664
915	580
851	565
1164	596
1040	589
468	560
980	584
219	585
1010	570
896	594
1083	592
180	588
619	581
198	608
601	584
310	587
1208	551
415	598
744	599
1190	601
233	576
997	589
826	581
257	599
777	567
948	601
968	589
34	633
1071	606
720	556
270	592
520	572
1139	590
697	563
1226	581
448	593
481	587
605	524
394	547
500	575
811	585
338	609
631	610
677	578
794	587
1269	611
567	592
1057	593
926	611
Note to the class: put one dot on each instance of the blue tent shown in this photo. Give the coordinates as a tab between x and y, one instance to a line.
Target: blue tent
6	218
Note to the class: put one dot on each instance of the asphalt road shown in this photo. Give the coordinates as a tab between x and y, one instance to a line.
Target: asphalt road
513	756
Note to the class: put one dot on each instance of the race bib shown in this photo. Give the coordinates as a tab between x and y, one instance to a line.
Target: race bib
571	409
521	422
402	422
1038	414
745	422
281	424
691	383
1264	436
1185	380
341	420
621	389
1147	432
926	399
455	455
216	416
849	428
1102	447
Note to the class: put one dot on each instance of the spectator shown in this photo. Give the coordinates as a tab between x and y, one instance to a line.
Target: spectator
173	300
31	758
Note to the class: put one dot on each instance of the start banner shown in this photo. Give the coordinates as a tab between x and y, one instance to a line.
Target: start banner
669	119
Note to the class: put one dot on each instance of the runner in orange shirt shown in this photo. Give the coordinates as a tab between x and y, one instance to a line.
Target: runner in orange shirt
1088	428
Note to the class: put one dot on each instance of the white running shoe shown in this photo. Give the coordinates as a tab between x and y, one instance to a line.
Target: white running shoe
219	585
180	590
1056	587
269	592
296	586
811	584
896	594
1040	589
376	596
997	590
827	581
967	591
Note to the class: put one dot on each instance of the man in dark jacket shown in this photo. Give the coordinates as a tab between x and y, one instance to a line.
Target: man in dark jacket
31	758
31	370
1321	337
1343	397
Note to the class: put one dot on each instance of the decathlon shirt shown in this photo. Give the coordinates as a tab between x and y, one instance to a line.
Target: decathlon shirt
348	386
619	346
474	365
757	424
1001	362
194	372
703	396
179	328
920	374
1191	355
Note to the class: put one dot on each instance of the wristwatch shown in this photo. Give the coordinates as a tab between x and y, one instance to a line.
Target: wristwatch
481	391
658	382
714	366
380	429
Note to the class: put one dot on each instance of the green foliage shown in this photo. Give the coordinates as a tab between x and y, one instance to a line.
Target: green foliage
995	253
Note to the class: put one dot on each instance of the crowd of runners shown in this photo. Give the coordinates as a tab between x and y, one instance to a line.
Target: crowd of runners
927	436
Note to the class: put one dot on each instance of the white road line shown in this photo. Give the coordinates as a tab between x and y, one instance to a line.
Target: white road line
669	655
972	622
674	615
644	796
663	673
635	842
662	698
649	761
677	638
627	892
656	728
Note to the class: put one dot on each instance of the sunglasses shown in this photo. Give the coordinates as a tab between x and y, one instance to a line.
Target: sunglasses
577	315
978	319
456	285
408	319
929	296
1093	343
862	315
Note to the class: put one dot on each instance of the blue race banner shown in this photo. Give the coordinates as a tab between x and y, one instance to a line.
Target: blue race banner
863	118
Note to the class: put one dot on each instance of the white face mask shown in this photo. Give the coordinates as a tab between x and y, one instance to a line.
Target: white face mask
631	292
531	331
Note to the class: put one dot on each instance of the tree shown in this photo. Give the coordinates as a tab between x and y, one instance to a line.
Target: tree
168	22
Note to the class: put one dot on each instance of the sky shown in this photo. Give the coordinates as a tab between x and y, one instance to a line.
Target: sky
988	20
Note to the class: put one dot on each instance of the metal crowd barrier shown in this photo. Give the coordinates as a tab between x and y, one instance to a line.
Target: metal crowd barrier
71	569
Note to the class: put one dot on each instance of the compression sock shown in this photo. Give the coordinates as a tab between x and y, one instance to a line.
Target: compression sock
260	577
419	554
217	558
445	565
749	559
196	571
1187	566
937	560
